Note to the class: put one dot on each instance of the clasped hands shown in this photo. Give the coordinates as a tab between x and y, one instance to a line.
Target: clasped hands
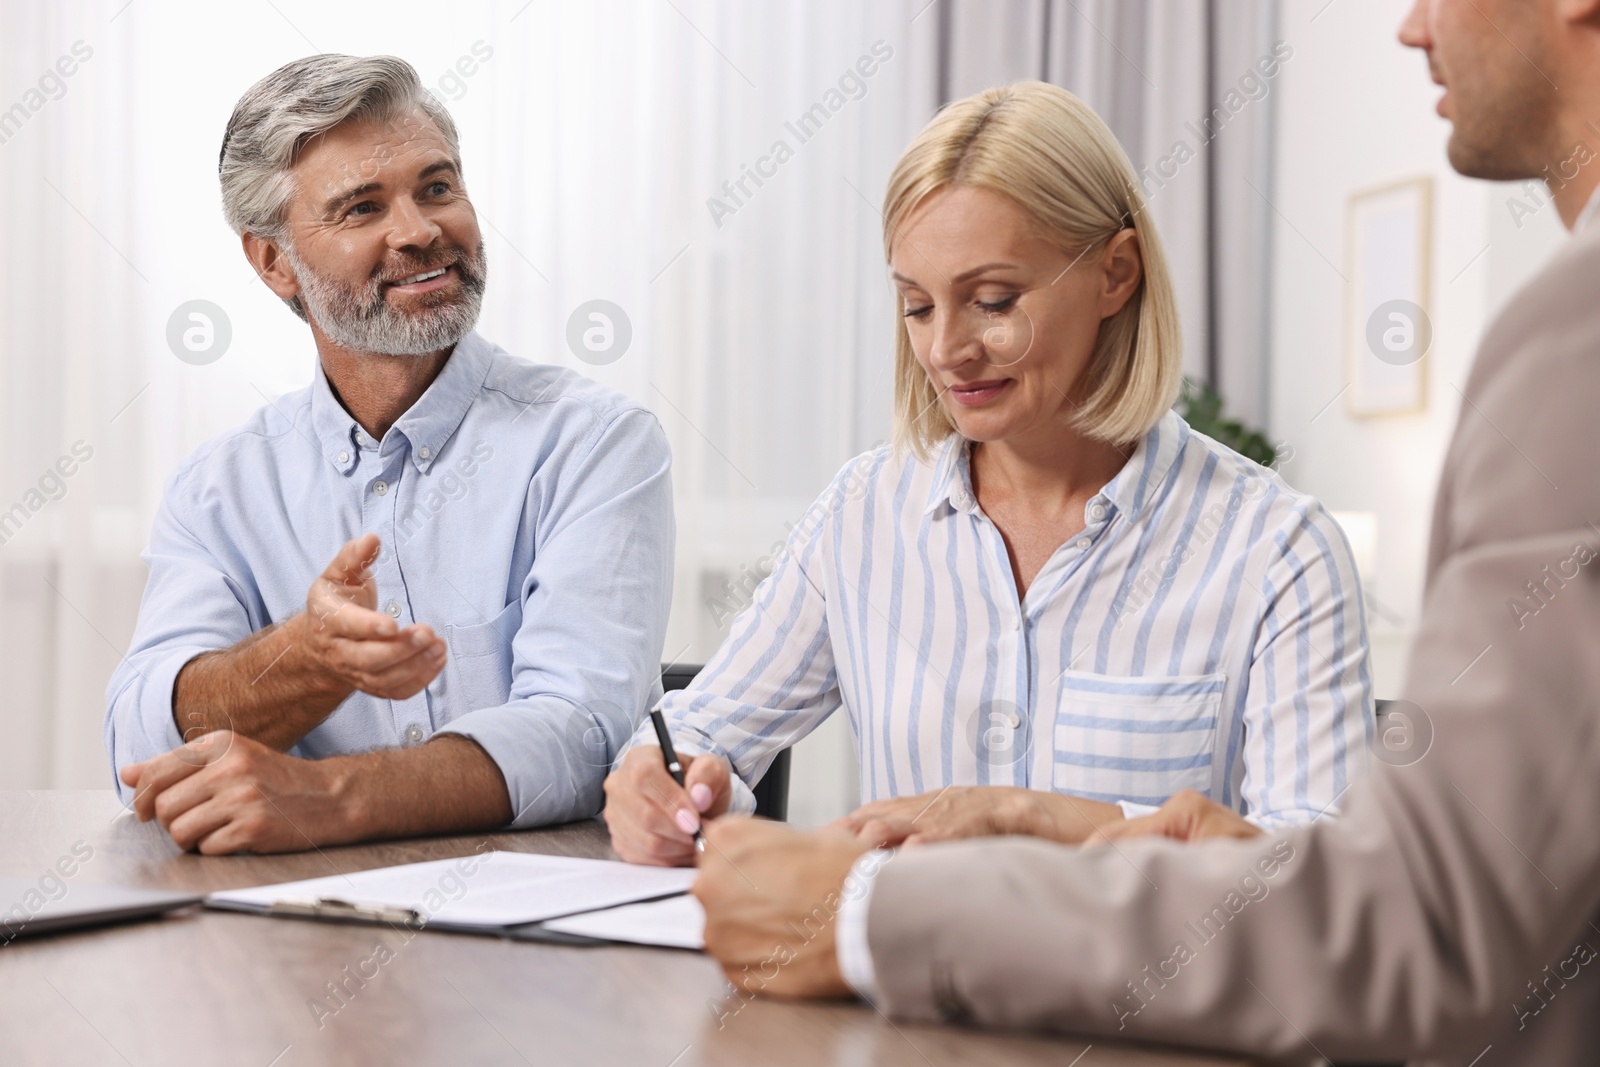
232	786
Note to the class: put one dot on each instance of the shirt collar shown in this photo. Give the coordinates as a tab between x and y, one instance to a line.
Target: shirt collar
1133	489
425	426
1587	215
1130	491
952	477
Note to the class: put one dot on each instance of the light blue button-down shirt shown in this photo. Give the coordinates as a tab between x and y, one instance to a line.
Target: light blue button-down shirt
525	513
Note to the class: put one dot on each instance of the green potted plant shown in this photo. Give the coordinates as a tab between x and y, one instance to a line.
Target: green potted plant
1201	407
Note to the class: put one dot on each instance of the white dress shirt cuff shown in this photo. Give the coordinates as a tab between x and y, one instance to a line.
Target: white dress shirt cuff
850	943
1130	810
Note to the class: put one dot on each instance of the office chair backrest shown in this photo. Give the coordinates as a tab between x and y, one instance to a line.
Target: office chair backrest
772	792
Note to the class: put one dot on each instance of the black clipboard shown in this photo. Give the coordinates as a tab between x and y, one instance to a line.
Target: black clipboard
336	910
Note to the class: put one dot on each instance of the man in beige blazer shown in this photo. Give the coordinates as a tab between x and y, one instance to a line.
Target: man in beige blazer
1451	909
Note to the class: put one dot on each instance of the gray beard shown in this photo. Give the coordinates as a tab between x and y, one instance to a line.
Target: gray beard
362	320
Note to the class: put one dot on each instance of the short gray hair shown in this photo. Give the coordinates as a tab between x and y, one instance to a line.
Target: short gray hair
304	99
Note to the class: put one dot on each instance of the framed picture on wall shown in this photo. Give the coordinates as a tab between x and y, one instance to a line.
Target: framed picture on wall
1388	323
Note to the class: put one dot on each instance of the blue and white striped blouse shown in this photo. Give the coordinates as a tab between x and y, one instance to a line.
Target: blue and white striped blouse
1205	631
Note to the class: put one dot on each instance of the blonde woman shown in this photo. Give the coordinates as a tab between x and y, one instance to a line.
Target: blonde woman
1050	604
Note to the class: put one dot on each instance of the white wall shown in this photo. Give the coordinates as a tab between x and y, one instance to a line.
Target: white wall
1355	110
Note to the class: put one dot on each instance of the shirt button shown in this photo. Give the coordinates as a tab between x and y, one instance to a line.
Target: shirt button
393	609
1097	511
380	487
425	452
413	733
1083	544
1014	719
344	457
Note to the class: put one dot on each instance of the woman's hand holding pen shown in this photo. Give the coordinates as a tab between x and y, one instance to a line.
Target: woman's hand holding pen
652	818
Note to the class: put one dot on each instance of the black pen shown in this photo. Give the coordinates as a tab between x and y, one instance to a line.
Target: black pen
670	757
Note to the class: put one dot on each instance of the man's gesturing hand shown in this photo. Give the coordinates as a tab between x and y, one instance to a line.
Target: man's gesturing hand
358	646
652	818
226	793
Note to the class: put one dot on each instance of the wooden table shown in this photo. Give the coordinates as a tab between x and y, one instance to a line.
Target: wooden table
213	988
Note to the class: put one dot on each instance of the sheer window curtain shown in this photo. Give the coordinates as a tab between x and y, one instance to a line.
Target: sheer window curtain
651	175
70	302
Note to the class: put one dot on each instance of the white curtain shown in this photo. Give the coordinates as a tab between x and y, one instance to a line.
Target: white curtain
75	282
596	138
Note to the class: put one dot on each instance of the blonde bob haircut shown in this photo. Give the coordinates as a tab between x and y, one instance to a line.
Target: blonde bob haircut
1051	155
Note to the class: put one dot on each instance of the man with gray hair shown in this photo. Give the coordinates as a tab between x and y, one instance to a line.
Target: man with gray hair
490	627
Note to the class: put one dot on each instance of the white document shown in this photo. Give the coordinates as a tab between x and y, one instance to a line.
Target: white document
676	922
490	889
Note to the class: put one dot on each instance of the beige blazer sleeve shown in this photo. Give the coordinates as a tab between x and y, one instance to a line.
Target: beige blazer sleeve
1449	907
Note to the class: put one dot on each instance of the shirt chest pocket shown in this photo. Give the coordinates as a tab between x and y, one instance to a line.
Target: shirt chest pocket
478	674
1135	738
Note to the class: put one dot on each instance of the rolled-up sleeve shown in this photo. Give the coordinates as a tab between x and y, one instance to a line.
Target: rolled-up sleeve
190	606
586	656
1308	720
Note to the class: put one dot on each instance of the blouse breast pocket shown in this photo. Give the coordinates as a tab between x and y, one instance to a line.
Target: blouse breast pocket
1135	738
478	674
